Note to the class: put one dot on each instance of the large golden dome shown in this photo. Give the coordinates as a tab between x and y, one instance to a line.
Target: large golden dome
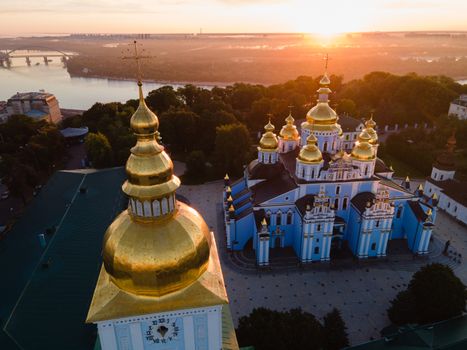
269	140
310	153
289	130
363	150
158	257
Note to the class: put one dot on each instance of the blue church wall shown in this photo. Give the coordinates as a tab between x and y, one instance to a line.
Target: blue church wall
244	229
317	246
412	228
398	227
297	233
374	241
353	230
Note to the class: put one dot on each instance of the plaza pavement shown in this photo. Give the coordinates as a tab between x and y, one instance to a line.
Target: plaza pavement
362	292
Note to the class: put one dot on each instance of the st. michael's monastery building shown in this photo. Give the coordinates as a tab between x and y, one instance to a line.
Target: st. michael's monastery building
311	191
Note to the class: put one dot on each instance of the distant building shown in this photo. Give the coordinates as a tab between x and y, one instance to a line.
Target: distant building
450	192
320	189
38	105
458	107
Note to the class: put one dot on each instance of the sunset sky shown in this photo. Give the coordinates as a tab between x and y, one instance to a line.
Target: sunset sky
188	16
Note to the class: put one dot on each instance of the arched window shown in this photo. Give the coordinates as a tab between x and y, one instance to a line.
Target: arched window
268	217
441	177
278	218
316	250
344	204
377	223
313	173
399	212
366	170
289	218
318	227
325	147
338	189
336	203
303	172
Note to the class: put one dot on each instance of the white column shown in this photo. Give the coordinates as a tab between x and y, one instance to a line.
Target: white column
189	333
304	252
227	234
266	247
214	330
107	336
385	243
259	252
380	243
422	240
136	336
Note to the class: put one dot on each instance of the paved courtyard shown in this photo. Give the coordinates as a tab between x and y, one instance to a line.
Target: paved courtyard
361	291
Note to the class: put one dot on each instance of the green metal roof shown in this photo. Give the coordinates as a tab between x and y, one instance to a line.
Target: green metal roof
51	303
449	335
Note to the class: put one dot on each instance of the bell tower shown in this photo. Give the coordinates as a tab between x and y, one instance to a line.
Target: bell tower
160	285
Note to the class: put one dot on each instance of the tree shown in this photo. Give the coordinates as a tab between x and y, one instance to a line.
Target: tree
196	165
273	330
98	150
160	100
434	294
20	178
232	147
334	331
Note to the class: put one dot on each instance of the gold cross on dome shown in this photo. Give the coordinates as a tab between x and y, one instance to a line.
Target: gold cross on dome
137	57
326	58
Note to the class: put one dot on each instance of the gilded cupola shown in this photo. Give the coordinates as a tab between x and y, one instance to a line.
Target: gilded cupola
268	141
363	150
322	117
370	129
289	131
310	153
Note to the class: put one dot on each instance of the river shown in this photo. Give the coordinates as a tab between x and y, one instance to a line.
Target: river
73	93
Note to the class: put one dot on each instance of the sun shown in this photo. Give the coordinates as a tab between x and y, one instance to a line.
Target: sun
329	19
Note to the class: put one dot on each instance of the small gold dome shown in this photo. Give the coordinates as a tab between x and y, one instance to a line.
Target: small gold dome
269	139
363	150
289	130
159	257
143	121
310	153
325	80
370	128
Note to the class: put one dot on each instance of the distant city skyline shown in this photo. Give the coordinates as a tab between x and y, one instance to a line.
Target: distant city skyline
191	16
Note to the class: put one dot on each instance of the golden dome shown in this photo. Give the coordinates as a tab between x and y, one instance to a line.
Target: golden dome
363	150
289	130
143	121
370	128
322	113
322	117
149	168
158	257
269	139
310	153
160	253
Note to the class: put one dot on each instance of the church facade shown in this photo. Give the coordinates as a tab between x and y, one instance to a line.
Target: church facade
320	188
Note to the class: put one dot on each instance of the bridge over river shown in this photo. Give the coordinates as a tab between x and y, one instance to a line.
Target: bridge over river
29	52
